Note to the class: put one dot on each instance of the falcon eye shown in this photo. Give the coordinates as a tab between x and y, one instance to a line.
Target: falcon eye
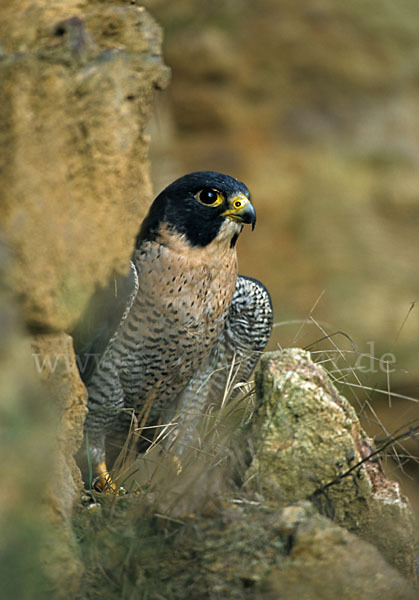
209	197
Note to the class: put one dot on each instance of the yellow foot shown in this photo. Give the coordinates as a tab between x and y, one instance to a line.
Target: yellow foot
103	481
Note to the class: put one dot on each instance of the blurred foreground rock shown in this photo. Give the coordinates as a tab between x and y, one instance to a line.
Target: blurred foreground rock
28	425
54	361
77	83
308	436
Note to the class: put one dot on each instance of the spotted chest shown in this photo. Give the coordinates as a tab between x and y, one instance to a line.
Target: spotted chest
177	316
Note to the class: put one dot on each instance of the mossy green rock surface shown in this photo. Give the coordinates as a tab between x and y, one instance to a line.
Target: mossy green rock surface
308	436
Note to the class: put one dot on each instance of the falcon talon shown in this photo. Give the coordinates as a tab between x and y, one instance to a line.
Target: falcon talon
103	481
180	318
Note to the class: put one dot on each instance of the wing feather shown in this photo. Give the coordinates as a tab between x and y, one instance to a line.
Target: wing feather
107	308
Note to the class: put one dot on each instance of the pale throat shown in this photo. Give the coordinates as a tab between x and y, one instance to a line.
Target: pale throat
215	253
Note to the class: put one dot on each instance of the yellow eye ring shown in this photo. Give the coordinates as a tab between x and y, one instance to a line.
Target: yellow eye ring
209	197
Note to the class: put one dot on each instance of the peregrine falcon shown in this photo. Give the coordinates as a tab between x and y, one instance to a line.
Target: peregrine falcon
163	338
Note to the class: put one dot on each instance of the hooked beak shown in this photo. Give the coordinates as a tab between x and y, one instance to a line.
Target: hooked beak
241	210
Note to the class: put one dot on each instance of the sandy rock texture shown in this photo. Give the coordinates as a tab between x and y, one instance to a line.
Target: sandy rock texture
54	361
77	81
27	446
309	442
77	88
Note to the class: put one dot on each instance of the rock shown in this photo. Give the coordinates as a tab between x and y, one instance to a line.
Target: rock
29	454
54	360
77	84
241	549
75	180
266	540
326	562
308	436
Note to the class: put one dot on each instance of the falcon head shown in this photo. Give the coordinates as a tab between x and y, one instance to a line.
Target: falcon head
201	206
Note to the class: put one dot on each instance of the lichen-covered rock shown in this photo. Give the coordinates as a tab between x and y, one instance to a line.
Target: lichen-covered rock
308	436
74	178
